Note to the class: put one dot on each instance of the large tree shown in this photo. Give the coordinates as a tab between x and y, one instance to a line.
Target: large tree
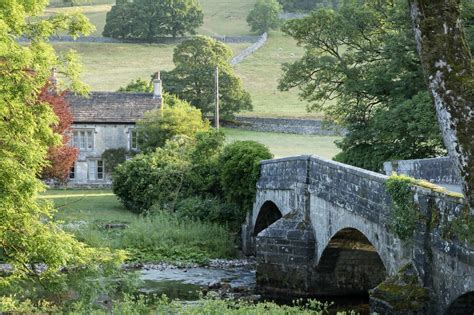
193	79
447	64
265	16
361	69
151	19
28	236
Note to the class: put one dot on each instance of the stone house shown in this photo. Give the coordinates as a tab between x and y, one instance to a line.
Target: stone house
106	120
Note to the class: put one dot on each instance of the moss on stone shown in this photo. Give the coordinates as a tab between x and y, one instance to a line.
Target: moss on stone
403	292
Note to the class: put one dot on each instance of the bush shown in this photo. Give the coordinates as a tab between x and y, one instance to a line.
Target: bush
240	167
156	177
210	209
178	118
113	157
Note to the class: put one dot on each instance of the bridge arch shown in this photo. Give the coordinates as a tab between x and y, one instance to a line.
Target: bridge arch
350	264
267	215
463	304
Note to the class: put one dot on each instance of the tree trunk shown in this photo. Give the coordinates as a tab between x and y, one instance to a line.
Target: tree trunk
446	61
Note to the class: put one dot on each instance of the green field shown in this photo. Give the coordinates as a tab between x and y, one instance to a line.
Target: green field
282	145
261	72
106	67
109	66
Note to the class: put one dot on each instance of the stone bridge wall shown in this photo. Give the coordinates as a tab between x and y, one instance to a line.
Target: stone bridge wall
437	170
322	197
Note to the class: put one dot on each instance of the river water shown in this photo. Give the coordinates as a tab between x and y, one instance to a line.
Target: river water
226	281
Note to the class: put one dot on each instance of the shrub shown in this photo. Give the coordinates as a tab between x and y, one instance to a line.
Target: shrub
240	167
156	177
179	119
113	157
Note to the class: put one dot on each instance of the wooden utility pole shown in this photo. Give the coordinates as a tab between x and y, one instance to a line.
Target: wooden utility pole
217	98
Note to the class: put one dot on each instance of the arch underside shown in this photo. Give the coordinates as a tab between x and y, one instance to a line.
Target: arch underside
462	305
349	265
269	213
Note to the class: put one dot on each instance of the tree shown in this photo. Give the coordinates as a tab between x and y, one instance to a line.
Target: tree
265	16
28	236
60	157
361	70
176	118
447	65
152	19
240	170
193	78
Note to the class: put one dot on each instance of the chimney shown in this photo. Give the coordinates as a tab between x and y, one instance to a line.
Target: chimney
157	86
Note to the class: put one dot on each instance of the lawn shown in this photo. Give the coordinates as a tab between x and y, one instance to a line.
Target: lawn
106	67
282	145
87	205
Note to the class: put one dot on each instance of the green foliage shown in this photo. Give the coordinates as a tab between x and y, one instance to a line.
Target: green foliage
308	5
153	178
393	134
113	157
210	209
28	237
404	212
240	169
265	16
138	85
193	77
149	20
361	69
177	117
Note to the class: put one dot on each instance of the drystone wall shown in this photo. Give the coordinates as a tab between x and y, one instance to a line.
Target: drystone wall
249	50
286	125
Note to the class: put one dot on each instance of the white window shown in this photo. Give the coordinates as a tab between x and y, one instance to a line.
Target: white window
83	140
96	169
133	139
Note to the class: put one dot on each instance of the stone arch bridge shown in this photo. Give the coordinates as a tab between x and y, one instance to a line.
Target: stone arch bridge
322	228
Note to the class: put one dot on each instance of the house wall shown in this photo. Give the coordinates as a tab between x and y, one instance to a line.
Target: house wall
106	136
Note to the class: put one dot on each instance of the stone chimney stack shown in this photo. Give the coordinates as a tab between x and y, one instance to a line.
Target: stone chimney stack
157	88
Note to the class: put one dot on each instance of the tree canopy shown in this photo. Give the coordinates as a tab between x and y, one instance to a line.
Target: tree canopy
151	19
28	236
193	78
265	16
361	69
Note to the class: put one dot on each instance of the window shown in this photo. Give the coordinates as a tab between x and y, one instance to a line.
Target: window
96	170
100	169
133	139
83	140
72	173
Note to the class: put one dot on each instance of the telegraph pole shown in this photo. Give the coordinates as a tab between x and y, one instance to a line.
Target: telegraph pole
217	98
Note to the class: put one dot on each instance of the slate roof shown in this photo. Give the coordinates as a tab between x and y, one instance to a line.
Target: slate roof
111	107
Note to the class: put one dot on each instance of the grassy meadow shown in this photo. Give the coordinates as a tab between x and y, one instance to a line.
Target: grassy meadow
109	66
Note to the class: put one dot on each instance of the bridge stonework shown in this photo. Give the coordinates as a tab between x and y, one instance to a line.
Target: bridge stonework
322	228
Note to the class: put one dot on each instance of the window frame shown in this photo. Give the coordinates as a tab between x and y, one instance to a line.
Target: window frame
83	139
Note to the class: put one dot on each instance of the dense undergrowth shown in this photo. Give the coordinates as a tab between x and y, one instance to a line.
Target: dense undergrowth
161	237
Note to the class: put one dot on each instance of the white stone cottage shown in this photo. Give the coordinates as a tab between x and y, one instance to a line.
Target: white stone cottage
105	120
